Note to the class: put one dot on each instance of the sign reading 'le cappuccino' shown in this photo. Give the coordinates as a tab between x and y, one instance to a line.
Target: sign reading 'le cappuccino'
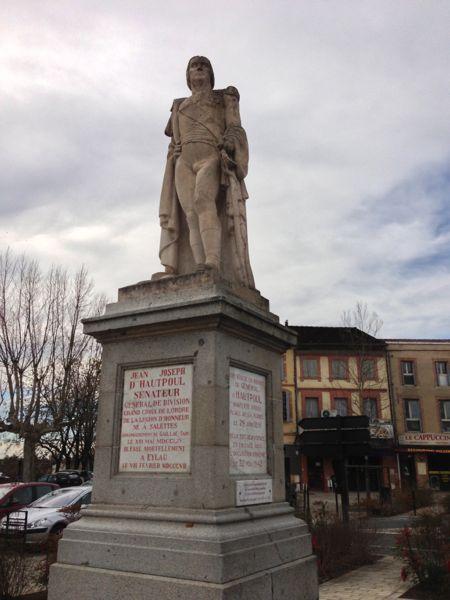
424	439
156	420
248	439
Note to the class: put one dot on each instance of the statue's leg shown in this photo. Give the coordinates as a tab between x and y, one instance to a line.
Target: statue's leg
185	186
205	195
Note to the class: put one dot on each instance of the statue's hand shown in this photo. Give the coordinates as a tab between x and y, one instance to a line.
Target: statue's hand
228	144
228	163
232	91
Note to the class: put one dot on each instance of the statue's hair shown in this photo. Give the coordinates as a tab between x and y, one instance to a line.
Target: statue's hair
211	72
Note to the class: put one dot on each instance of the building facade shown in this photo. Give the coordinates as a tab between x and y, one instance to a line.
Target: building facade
344	371
420	392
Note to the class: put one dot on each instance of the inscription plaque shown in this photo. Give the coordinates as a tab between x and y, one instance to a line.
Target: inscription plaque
156	420
248	438
253	491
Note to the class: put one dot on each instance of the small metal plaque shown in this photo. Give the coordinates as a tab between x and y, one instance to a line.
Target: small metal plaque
253	491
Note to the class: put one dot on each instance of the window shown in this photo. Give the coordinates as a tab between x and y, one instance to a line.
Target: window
310	368
22	496
341	406
445	415
368	368
339	368
370	408
442	373
59	498
5	501
408	377
86	499
311	406
412	415
41	490
287	416
283	368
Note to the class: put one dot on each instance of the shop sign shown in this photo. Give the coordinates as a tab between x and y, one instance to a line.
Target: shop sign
424	439
381	430
421	468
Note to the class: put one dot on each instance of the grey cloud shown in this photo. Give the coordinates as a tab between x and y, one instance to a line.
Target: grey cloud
345	105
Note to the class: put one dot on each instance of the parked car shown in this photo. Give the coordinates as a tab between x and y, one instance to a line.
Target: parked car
63	478
4	478
67	477
14	496
51	513
83	474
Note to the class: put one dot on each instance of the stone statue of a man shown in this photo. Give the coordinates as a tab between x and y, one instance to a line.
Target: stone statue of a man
202	209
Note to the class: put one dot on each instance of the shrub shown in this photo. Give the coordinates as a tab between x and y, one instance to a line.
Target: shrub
338	546
425	550
50	550
23	567
13	570
402	501
373	506
445	503
424	497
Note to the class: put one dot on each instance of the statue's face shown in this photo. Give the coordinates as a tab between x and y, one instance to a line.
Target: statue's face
199	70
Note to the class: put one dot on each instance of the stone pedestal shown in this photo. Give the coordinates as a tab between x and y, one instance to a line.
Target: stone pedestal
160	534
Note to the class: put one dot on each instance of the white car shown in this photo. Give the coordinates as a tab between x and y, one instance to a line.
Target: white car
51	513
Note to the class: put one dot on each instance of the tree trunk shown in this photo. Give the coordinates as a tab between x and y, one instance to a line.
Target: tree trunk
29	458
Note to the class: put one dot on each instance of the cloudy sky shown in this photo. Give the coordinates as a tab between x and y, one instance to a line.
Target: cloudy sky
347	109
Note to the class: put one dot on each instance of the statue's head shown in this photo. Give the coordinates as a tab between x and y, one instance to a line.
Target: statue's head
199	68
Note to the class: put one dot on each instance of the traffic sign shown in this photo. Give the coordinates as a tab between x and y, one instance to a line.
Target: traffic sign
334	436
321	423
336	451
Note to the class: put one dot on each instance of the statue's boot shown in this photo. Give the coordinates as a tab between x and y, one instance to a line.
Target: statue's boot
199	255
168	272
211	242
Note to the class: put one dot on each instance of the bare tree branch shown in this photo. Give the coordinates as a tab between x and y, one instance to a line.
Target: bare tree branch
42	347
362	327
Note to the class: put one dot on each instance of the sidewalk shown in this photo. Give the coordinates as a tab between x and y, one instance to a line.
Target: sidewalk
378	581
329	500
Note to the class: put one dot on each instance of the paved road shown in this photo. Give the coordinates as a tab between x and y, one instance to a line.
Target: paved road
386	531
379	581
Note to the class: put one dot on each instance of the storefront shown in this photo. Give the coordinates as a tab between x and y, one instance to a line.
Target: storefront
378	469
425	460
439	470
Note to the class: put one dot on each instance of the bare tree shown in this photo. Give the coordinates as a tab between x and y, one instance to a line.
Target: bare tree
72	444
362	327
41	347
361	317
